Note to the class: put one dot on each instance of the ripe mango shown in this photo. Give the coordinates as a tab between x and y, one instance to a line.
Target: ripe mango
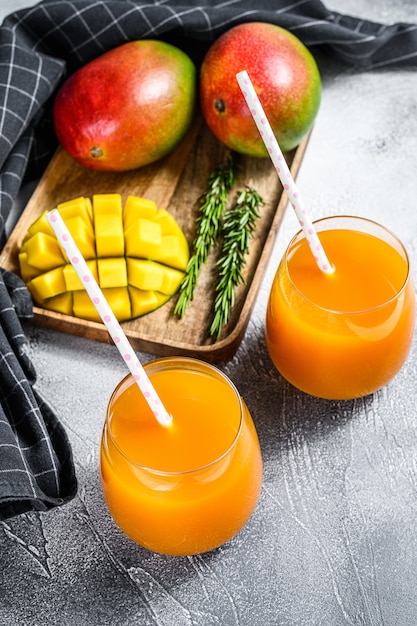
284	74
137	253
128	107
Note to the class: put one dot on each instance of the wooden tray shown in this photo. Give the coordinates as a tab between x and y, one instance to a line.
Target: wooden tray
175	183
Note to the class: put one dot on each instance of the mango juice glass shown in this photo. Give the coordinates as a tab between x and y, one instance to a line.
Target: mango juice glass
343	335
189	487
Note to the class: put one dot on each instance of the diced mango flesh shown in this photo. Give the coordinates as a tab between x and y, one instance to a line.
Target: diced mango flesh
42	225
107	204
72	280
118	299
83	235
43	251
27	271
59	304
148	275
108	225
78	207
112	272
172	252
146	301
143	239
137	253
139	207
48	284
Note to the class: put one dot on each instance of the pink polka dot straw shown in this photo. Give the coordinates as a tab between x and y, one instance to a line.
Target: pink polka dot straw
116	333
282	170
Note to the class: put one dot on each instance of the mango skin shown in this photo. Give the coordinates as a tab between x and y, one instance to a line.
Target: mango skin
128	107
284	74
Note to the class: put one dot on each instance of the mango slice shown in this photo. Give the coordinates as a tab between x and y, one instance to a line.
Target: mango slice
48	285
136	208
143	238
83	235
27	271
43	251
112	272
59	304
150	276
118	299
72	281
146	301
137	253
108	225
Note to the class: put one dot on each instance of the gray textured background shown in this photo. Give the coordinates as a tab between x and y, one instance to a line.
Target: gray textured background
333	541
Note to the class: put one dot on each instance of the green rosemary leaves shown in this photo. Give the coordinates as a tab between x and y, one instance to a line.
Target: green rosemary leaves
238	227
212	208
234	228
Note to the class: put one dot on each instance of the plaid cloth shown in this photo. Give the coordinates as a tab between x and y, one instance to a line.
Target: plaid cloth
39	48
36	468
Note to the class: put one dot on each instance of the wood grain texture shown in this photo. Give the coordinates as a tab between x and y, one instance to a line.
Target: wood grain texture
175	183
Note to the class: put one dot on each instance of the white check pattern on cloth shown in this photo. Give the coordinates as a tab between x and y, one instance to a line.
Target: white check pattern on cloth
36	468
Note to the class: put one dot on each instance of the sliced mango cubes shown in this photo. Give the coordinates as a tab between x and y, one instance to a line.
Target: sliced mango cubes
137	253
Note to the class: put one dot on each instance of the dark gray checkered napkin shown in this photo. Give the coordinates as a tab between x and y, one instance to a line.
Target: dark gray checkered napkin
36	468
39	47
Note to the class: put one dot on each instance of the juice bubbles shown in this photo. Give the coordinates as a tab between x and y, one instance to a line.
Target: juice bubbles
189	487
346	334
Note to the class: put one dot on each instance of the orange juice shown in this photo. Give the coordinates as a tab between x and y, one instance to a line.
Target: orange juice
189	487
346	334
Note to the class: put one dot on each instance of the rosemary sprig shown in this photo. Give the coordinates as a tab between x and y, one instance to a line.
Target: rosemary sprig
238	227
212	206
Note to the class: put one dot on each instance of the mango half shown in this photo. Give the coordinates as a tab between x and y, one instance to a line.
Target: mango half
137	253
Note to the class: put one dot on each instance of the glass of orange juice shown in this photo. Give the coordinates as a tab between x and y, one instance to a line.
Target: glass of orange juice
189	487
346	334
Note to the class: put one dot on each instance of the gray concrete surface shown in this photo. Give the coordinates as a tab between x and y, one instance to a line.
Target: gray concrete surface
333	541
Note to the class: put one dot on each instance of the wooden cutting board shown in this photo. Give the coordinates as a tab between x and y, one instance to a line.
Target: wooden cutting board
175	183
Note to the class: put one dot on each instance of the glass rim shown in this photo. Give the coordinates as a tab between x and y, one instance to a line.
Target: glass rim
184	360
300	234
